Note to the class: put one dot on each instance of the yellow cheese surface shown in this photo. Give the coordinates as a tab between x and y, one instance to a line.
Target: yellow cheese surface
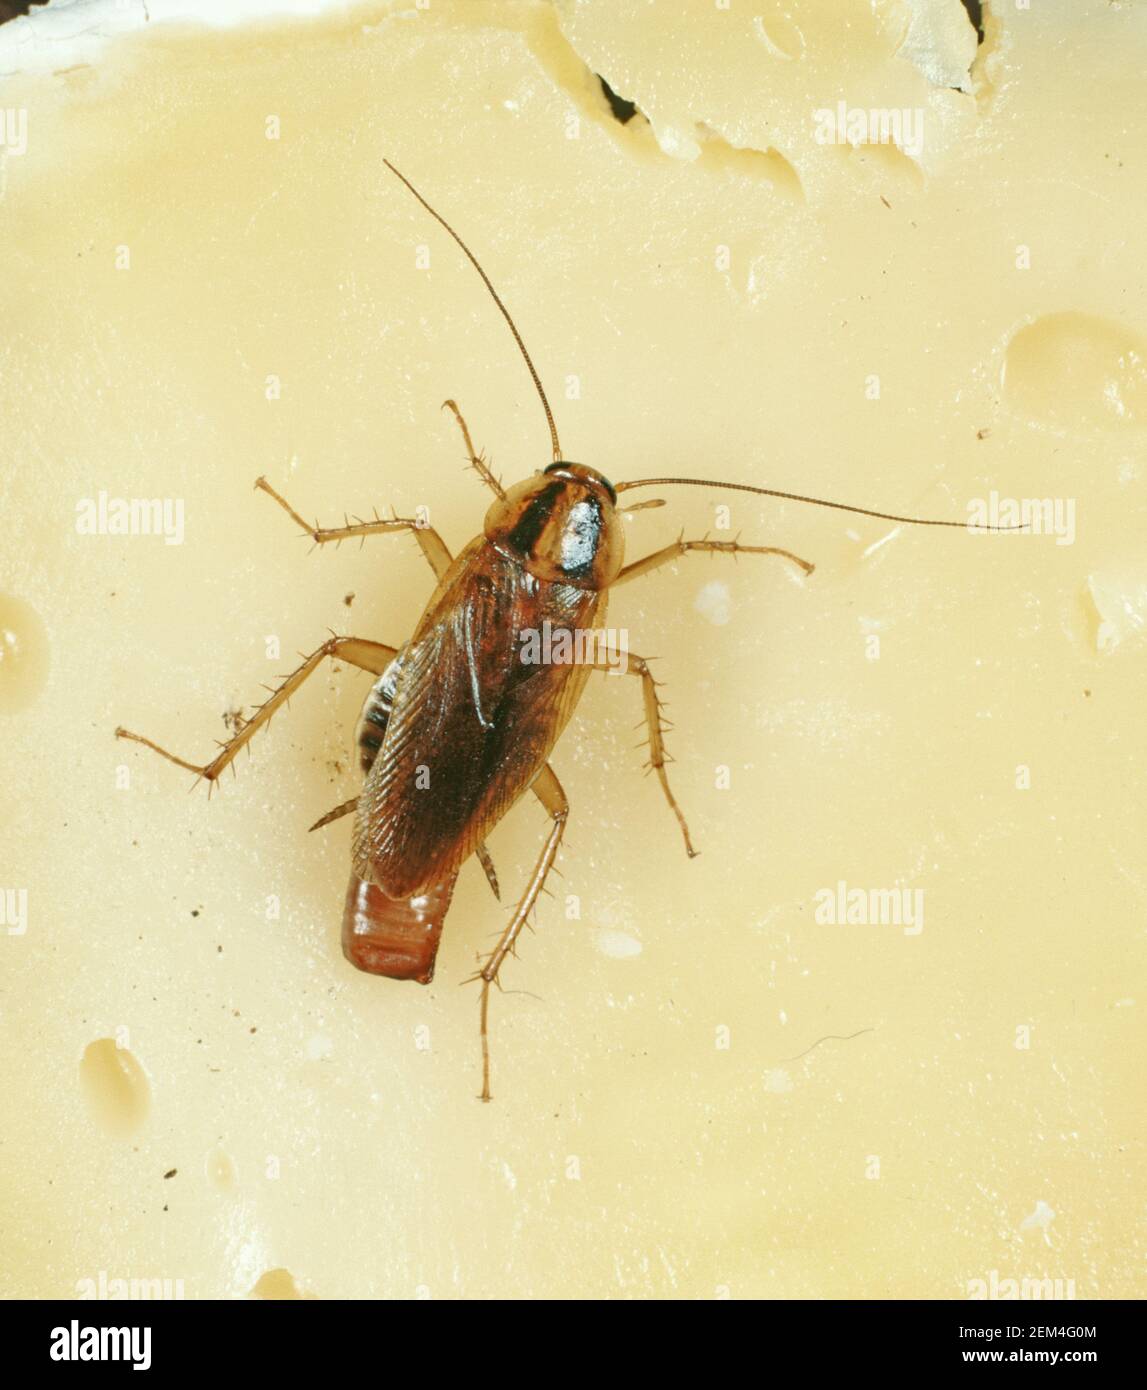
703	1088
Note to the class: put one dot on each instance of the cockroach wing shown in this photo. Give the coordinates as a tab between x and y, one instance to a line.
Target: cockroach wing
473	720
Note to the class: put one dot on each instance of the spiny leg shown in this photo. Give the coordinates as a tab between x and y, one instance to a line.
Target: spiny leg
637	666
356	651
487	863
633	665
548	790
683	547
433	547
477	461
337	814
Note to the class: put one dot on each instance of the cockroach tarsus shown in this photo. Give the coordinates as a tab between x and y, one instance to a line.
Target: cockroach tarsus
457	727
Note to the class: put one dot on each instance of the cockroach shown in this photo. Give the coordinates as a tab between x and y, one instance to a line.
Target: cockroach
457	726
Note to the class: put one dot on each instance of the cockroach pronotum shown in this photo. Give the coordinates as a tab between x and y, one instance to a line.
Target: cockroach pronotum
457	726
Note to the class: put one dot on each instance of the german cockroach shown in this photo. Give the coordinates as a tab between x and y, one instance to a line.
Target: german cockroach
458	726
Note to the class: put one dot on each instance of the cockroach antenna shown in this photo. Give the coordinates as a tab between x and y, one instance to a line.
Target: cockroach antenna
813	501
470	256
658	482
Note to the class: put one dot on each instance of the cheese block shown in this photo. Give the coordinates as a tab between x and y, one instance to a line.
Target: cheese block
882	1036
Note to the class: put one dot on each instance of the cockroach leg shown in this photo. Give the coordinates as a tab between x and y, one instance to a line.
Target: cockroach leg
637	666
355	651
488	868
477	461
549	792
683	547
433	547
337	814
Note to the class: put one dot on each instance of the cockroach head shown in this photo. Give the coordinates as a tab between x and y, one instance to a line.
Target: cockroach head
561	525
